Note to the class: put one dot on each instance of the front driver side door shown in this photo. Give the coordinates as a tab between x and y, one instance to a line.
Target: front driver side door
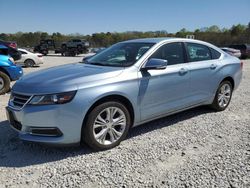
164	91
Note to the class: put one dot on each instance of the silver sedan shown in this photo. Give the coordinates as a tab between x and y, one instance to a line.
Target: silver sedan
97	101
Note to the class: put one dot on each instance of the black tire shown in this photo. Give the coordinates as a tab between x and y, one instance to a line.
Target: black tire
29	63
88	129
215	105
5	83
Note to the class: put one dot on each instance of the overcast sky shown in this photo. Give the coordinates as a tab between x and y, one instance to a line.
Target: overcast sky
90	16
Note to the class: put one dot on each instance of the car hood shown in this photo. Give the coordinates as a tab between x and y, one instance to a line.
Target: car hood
64	78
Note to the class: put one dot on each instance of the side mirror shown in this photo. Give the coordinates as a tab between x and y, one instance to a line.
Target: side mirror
155	64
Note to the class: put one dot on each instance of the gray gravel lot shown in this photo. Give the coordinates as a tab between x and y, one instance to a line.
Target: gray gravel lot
195	148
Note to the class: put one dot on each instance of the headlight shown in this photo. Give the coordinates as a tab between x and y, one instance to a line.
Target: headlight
59	98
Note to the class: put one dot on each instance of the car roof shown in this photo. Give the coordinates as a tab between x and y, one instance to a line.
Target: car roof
149	40
21	49
162	39
3	46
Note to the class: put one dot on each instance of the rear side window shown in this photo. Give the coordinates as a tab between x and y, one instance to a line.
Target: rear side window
22	52
215	54
198	52
172	52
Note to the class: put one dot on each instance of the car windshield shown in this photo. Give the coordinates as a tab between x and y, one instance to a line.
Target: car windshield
120	55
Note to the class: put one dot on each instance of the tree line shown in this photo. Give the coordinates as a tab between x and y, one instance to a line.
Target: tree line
237	34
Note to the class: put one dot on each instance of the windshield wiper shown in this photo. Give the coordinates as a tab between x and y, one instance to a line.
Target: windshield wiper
96	63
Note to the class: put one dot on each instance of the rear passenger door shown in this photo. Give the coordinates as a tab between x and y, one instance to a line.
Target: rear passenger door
203	66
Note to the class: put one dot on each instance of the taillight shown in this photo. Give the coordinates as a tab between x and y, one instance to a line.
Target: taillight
39	55
13	45
241	64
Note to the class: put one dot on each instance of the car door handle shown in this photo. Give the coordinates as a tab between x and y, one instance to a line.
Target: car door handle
183	71
213	66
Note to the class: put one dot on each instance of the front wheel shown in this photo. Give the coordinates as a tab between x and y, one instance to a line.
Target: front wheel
223	96
106	126
4	83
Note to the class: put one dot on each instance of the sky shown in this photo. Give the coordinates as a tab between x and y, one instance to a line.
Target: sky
92	16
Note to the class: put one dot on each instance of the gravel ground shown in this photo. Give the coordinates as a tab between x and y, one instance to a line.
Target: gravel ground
195	148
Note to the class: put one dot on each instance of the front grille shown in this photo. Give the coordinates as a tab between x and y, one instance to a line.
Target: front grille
18	100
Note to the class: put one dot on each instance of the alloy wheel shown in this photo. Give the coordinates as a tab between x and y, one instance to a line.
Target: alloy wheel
109	125
224	95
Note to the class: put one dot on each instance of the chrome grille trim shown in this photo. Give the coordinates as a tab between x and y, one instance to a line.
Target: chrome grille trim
18	101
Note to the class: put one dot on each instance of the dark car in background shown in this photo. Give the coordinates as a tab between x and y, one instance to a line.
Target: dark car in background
11	51
232	51
8	43
244	49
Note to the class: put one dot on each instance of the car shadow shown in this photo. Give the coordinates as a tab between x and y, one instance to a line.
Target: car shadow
169	120
17	153
35	66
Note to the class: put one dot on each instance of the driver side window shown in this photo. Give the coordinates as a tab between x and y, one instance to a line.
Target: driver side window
172	52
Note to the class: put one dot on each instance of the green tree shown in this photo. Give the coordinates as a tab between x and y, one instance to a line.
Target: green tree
214	28
237	29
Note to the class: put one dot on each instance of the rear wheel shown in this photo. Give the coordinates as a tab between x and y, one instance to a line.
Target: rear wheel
106	126
223	96
4	83
29	63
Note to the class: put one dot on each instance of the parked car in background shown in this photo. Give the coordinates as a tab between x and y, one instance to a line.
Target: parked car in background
232	51
70	48
8	43
126	85
81	45
11	51
8	71
244	49
29	59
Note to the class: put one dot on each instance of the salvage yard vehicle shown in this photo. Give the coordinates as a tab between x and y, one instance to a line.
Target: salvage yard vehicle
244	49
70	48
232	51
128	84
8	70
29	59
11	49
81	45
8	43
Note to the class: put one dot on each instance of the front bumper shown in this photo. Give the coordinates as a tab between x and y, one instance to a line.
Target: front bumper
51	124
15	72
